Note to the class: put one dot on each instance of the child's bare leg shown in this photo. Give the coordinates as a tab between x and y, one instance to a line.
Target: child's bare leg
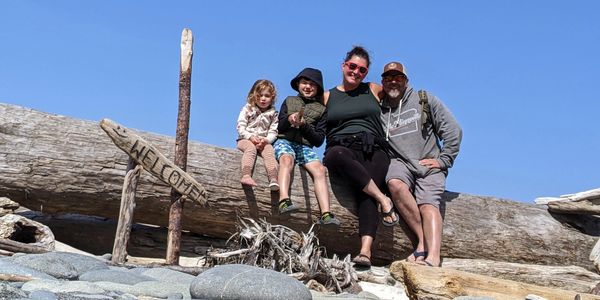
286	166
248	159
317	171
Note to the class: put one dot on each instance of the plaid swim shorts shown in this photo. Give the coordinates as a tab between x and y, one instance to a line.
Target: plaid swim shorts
302	154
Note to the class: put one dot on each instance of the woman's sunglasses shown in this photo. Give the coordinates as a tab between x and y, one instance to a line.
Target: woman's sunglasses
352	66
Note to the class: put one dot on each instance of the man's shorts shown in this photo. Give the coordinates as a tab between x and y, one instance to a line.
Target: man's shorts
427	190
302	154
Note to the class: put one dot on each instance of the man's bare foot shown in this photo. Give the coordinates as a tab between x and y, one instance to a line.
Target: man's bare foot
429	262
247	180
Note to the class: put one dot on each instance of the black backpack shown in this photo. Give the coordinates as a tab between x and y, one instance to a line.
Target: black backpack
425	109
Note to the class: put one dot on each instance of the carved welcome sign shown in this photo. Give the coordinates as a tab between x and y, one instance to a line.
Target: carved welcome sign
154	162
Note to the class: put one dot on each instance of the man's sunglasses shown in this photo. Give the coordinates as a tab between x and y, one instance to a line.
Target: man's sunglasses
396	78
352	66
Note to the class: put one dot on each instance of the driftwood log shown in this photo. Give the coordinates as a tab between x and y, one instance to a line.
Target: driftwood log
19	234
582	203
424	282
57	164
570	278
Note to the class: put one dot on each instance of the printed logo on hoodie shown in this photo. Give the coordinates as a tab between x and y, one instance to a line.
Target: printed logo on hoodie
404	123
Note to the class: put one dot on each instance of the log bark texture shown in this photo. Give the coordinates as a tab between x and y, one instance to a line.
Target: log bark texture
424	282
57	164
570	278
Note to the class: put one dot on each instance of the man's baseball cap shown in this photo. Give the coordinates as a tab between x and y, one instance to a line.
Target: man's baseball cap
393	68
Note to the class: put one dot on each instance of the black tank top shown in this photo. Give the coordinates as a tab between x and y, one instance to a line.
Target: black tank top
353	112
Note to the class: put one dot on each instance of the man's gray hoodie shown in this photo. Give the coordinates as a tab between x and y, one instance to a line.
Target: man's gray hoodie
439	139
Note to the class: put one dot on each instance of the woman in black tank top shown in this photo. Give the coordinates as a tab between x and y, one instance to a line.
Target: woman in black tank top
356	148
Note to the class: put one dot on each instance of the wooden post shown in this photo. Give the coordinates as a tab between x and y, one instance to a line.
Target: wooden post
126	212
181	144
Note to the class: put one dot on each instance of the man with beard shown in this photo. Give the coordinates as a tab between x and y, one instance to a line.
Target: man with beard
416	124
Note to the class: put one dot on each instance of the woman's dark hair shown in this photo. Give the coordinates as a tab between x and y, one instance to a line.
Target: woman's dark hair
360	52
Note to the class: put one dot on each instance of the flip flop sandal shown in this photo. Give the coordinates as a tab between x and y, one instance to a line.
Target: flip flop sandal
426	263
362	260
390	213
418	254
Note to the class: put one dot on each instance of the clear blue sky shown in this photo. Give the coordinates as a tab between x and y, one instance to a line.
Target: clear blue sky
521	77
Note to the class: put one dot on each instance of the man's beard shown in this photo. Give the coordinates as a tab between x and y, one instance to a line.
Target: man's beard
394	93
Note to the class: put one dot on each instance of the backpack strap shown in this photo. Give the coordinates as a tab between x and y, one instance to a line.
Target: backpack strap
425	109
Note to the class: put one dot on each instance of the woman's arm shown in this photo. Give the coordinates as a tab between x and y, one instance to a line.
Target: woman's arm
377	91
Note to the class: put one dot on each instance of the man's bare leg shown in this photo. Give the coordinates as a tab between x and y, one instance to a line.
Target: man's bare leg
407	206
432	231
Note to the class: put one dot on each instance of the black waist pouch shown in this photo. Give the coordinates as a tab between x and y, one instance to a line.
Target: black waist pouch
364	141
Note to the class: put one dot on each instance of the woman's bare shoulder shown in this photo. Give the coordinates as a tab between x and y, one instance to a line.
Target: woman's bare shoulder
377	90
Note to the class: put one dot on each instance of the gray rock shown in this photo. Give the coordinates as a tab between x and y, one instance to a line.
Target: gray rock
117	287
127	297
79	296
61	265
473	298
42	295
106	256
343	296
17	285
57	286
168	275
160	289
155	289
8	267
117	276
246	282
9	292
139	270
120	268
175	296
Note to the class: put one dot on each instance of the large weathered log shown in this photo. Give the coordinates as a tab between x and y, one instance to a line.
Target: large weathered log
424	282
58	164
570	278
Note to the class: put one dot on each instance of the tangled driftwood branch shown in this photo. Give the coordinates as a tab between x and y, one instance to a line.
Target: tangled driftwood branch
279	248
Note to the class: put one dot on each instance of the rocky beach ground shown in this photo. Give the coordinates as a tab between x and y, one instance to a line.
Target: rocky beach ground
71	276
